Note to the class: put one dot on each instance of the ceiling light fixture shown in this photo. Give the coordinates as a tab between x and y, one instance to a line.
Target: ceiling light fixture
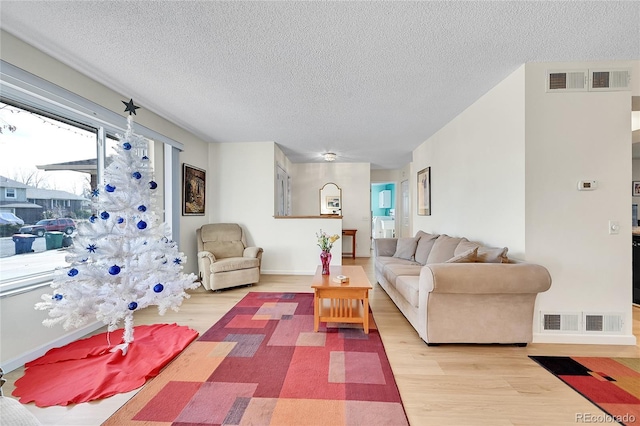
329	156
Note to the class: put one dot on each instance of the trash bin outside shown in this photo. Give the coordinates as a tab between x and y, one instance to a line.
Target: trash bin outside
53	239
23	243
67	241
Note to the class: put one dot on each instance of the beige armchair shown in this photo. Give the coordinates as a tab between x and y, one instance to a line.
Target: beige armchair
224	260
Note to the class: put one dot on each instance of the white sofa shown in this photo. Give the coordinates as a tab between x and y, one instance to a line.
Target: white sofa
453	290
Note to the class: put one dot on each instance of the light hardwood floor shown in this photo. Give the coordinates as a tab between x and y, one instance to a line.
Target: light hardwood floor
444	385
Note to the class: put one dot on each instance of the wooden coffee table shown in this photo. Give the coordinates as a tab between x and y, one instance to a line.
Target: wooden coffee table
341	302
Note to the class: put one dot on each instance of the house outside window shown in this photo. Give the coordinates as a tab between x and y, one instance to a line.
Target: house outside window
51	163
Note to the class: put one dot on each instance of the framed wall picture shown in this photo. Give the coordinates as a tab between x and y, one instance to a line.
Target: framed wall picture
635	189
424	192
193	190
333	202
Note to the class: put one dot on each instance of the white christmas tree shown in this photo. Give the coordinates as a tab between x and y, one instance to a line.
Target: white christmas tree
123	259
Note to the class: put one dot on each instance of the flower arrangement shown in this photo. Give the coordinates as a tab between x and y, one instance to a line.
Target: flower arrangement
325	241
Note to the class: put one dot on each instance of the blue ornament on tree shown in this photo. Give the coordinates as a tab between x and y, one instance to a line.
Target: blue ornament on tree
141	225
95	192
133	306
72	272
120	219
104	215
136	175
153	185
126	146
93	218
142	209
114	270
91	248
177	261
158	288
57	297
109	188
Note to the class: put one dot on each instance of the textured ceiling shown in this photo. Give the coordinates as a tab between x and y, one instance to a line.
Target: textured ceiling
368	80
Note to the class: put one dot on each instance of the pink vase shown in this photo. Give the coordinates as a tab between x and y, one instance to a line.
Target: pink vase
325	259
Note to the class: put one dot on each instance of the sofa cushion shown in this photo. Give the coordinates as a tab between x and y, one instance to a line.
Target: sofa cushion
382	261
443	249
492	255
393	270
425	244
407	286
468	256
465	245
234	264
406	248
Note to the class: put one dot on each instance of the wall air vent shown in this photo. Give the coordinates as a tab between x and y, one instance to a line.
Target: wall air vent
567	80
560	322
603	323
609	80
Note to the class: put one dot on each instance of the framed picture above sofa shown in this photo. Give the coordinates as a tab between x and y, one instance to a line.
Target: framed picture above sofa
424	192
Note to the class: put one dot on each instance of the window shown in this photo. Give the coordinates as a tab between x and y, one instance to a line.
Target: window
54	150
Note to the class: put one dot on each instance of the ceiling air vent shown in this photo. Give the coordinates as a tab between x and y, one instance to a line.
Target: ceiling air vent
561	322
609	80
567	81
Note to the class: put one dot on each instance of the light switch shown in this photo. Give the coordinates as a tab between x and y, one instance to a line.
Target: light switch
614	227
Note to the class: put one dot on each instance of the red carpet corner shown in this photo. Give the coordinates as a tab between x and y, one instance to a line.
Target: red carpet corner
86	370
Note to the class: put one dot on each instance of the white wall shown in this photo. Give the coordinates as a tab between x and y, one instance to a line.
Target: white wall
19	319
243	184
505	172
477	171
570	137
353	179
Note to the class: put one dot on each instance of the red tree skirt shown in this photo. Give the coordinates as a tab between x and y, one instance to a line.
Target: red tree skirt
86	369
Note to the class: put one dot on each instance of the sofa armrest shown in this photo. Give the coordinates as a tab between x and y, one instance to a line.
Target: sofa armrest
252	252
384	246
484	278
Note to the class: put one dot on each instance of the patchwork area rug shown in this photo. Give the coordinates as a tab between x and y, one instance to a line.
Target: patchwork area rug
262	364
613	384
86	369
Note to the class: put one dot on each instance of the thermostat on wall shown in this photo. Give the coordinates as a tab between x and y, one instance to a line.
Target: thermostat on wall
587	185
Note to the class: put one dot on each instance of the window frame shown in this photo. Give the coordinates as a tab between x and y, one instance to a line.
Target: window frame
6	193
25	90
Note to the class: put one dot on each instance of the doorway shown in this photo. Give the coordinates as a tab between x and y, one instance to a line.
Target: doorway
383	210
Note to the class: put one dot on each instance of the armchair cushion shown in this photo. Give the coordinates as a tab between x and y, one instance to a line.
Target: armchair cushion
223	249
234	264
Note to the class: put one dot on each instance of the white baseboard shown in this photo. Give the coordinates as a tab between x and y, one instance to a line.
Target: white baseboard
22	359
583	339
287	272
